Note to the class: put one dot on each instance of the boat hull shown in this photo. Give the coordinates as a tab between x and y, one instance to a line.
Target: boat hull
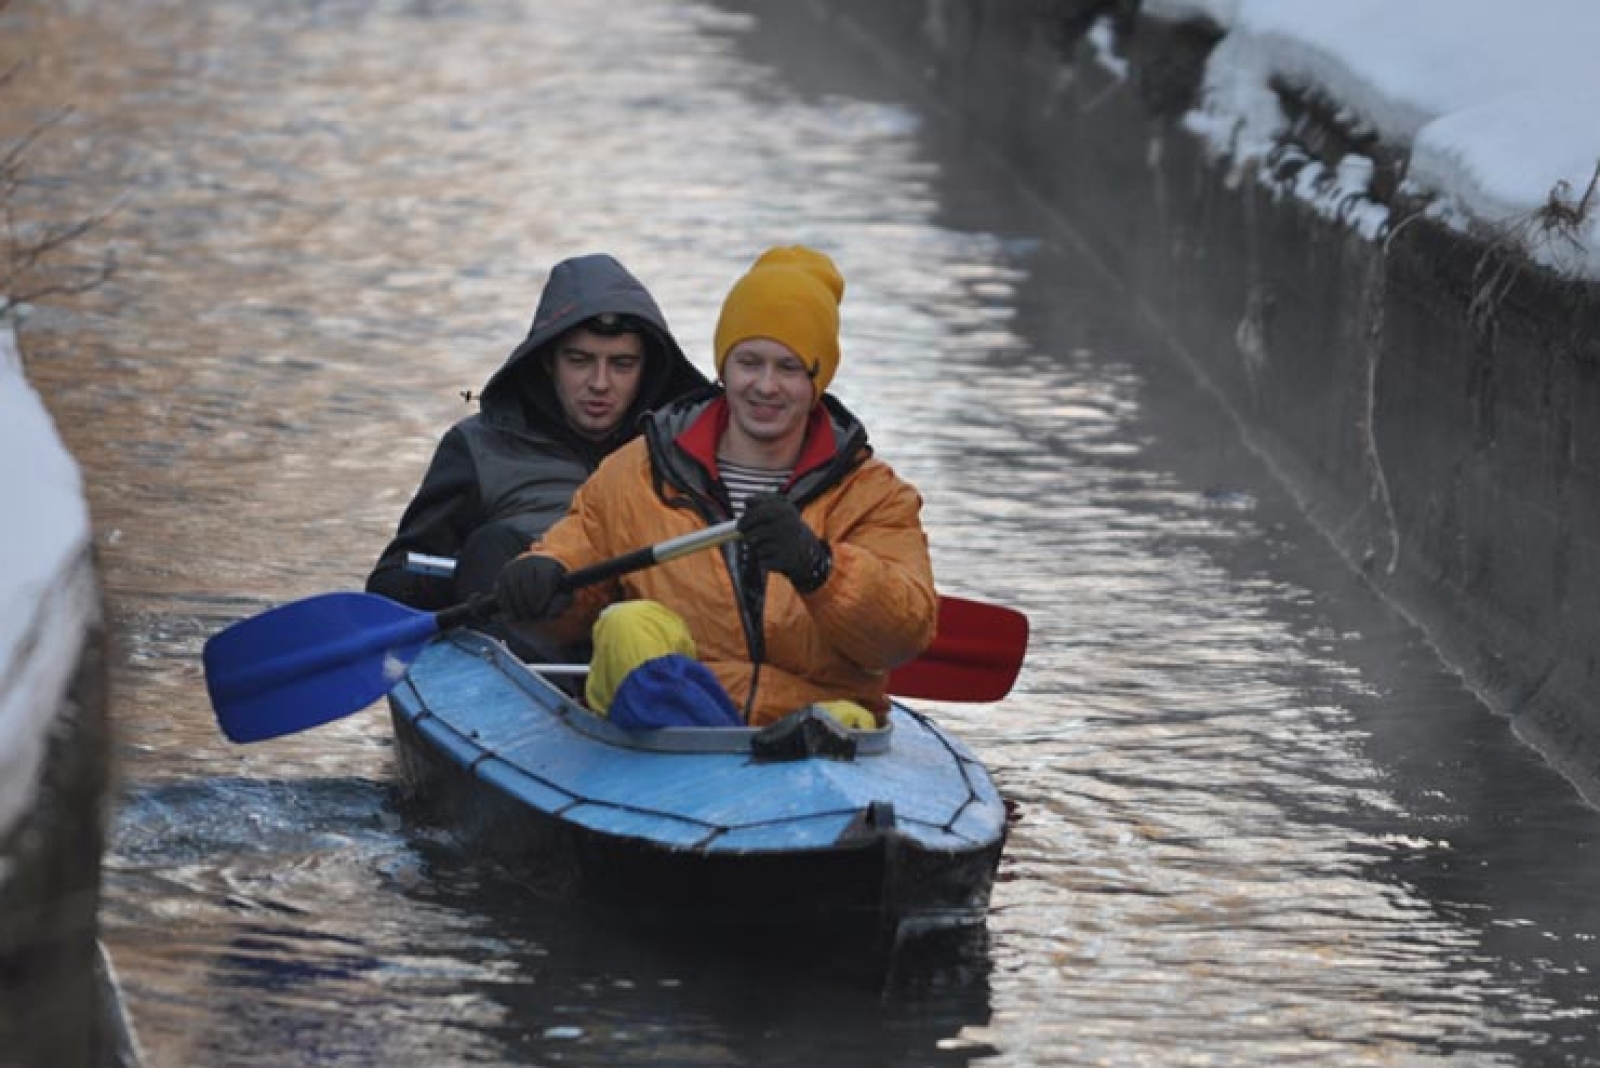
690	826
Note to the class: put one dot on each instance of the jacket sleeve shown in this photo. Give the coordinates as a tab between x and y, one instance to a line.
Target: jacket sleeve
878	608
579	539
446	508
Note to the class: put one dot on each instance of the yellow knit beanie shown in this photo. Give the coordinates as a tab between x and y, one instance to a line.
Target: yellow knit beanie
791	295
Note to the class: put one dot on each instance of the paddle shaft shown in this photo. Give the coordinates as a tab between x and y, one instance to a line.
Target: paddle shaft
975	656
313	660
485	607
308	662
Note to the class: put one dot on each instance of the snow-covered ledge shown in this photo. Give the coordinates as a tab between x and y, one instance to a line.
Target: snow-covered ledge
48	599
1493	104
58	1004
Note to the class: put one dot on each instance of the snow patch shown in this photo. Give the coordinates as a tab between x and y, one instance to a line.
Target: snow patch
1103	40
1494	103
48	596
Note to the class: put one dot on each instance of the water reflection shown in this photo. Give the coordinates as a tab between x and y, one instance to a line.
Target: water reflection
310	912
1257	824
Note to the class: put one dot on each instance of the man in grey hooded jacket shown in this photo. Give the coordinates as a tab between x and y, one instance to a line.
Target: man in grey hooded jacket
597	357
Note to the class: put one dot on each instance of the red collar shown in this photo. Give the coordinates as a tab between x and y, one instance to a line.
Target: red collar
700	439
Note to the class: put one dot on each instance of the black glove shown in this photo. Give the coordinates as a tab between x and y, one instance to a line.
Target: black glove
529	589
771	526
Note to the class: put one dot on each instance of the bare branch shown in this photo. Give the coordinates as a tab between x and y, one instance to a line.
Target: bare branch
32	294
1588	194
11	162
34	252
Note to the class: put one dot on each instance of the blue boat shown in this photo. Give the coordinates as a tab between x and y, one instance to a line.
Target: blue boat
877	835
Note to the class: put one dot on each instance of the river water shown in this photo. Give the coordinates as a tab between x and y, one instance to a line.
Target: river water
1256	822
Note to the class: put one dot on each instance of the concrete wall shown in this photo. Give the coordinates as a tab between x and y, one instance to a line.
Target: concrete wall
1424	395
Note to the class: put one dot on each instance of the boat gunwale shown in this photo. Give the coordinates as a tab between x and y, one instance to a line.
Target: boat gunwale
654	740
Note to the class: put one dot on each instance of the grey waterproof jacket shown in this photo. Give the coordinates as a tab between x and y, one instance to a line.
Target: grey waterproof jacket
516	461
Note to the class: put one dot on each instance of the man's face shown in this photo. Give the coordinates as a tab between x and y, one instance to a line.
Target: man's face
597	377
770	393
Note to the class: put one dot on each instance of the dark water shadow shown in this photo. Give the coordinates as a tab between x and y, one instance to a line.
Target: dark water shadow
414	946
631	992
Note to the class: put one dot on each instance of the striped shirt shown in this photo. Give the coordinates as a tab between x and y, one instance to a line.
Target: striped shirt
743	482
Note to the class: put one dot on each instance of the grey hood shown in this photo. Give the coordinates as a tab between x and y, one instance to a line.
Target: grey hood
520	396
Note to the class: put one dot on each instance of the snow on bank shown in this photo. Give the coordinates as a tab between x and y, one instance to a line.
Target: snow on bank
47	592
1495	100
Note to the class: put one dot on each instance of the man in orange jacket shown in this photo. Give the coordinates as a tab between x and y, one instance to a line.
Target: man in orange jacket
830	586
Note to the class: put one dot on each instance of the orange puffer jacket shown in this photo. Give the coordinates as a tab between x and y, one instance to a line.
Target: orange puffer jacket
877	609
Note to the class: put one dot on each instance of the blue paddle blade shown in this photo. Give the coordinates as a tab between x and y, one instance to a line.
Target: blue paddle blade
305	663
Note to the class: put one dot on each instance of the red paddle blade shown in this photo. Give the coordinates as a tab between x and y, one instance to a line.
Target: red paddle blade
975	656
